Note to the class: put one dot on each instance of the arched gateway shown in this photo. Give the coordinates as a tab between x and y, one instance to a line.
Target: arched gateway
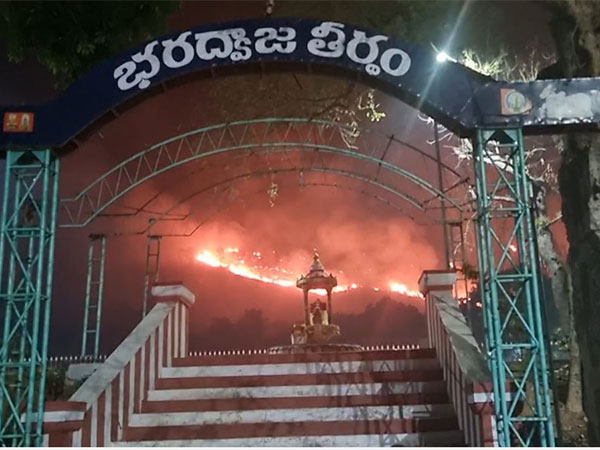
33	138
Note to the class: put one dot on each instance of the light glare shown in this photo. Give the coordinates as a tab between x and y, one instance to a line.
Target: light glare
442	57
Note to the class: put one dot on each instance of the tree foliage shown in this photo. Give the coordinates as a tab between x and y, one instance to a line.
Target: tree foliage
68	38
452	26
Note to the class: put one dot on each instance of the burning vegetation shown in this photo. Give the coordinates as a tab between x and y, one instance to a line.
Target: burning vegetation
249	265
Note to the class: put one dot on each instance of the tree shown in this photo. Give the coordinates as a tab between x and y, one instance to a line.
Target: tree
575	30
68	38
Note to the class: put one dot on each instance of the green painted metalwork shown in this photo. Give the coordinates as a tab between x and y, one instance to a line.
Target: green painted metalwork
271	135
509	282
92	316
152	268
29	208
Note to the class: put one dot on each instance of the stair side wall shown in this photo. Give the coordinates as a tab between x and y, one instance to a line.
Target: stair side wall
99	412
466	374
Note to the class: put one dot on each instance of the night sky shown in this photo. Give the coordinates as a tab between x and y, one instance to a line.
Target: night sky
360	239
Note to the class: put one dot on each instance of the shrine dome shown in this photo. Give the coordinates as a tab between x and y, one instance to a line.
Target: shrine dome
316	278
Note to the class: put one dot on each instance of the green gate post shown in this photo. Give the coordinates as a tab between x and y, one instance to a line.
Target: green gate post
27	234
152	268
92	316
510	292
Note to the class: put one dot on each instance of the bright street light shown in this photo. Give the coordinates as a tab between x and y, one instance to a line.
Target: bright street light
443	57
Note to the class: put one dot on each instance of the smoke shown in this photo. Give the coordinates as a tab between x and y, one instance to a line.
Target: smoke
358	241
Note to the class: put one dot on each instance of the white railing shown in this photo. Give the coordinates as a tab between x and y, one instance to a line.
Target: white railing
98	413
265	351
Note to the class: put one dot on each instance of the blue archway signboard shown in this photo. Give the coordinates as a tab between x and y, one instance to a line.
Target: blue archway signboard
456	96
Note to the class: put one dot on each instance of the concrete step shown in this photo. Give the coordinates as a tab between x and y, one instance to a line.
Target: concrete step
215	360
300	368
335	414
299	379
303	390
327	401
451	438
359	425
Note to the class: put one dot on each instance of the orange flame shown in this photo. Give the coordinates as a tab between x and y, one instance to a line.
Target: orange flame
402	289
240	268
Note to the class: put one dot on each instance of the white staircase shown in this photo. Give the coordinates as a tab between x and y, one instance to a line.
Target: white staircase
374	398
148	392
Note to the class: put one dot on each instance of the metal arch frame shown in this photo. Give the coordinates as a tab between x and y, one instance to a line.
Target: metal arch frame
184	217
462	180
251	174
308	185
144	168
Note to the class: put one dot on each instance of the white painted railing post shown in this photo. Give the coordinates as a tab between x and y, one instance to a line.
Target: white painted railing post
178	325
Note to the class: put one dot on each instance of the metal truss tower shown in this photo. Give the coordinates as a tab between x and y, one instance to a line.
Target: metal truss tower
27	233
92	316
509	282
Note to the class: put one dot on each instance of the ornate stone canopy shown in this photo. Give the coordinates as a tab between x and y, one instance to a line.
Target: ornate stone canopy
316	278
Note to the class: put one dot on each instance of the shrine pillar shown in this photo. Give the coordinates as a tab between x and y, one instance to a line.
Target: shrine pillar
329	314
306	311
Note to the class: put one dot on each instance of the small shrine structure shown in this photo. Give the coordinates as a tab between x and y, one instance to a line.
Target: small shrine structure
317	279
318	333
318	327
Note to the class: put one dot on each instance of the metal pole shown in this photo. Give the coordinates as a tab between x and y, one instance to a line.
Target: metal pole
94	292
441	189
152	268
100	296
88	293
463	255
50	234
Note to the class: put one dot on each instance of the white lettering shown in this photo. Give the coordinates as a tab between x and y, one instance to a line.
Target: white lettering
241	44
331	49
202	40
169	48
403	65
360	39
152	60
122	74
267	35
328	41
